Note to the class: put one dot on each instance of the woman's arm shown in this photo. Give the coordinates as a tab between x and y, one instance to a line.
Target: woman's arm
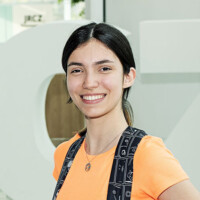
181	191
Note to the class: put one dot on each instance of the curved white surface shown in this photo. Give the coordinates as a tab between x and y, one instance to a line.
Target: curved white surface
28	61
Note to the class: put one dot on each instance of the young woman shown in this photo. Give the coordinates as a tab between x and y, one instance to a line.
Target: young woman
110	159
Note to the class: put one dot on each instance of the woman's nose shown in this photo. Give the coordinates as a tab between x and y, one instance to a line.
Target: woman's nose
90	81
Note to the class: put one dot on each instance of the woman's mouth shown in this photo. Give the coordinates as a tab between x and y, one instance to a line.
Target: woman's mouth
92	99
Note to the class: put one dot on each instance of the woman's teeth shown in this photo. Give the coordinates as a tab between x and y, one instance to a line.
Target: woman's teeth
93	97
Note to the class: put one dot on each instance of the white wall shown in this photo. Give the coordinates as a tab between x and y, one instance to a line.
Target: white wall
170	46
184	141
159	100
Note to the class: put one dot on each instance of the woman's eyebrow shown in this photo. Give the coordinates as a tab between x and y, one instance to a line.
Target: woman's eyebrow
103	61
96	63
74	63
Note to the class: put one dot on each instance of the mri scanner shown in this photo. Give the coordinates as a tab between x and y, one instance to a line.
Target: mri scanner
28	62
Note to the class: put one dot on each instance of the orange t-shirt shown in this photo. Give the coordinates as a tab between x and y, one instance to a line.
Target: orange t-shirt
155	169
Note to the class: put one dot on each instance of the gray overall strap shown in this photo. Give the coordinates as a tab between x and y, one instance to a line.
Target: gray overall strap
121	177
120	183
67	164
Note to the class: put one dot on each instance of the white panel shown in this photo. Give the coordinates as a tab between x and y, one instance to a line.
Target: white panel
171	46
184	141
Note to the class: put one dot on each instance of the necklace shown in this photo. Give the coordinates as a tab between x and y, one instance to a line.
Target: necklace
88	165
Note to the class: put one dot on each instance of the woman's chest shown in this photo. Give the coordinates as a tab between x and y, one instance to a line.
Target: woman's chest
93	184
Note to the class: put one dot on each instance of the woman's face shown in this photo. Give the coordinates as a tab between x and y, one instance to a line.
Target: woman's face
95	79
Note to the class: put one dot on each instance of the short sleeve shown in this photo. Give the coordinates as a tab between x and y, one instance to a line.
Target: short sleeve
59	155
155	168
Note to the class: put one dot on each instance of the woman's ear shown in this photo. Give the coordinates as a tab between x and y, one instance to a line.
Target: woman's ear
129	78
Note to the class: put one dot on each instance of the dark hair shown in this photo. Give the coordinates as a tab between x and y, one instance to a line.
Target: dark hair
115	41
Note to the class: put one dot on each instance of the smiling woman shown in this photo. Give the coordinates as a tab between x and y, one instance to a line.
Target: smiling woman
99	161
95	79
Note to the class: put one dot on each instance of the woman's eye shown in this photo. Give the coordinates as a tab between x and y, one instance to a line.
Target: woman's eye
105	69
75	71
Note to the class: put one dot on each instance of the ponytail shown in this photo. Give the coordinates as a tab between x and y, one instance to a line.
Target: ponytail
128	112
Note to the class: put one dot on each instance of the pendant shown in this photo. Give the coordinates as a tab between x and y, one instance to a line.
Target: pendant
87	167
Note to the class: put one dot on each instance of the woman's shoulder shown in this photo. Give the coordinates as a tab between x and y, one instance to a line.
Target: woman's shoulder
151	148
149	141
154	163
60	153
63	147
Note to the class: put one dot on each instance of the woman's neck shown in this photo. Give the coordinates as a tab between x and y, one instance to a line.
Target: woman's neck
104	132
